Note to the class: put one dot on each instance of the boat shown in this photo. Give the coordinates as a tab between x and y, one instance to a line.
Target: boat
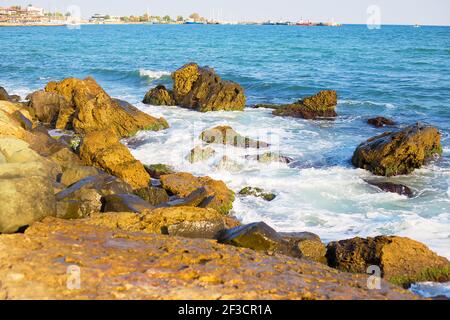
416	26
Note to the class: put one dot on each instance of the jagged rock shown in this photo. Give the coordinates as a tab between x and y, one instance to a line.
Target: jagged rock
393	188
259	236
159	96
183	184
200	154
309	245
117	264
257	192
153	195
402	260
92	109
269	157
228	136
102	149
4	96
395	153
321	105
125	203
200	88
158	170
380	122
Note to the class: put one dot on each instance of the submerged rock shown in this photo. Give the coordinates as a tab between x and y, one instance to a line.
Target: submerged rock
393	188
321	105
183	184
200	154
380	122
158	170
269	157
257	192
228	136
201	89
402	260
159	96
396	153
92	109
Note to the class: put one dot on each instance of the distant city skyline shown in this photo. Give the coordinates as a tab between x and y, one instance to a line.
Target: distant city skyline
424	12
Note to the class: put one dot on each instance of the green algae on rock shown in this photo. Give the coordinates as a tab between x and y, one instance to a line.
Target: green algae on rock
257	192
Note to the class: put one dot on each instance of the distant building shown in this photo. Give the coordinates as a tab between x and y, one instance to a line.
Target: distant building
35	11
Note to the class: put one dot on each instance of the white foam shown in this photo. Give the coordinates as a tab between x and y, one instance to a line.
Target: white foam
367	102
151	74
431	289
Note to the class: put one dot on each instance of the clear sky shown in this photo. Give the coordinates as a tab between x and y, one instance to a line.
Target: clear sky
429	12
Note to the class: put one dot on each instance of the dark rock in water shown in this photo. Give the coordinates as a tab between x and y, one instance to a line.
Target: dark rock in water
260	237
257	192
321	105
393	188
380	122
228	136
159	96
157	170
395	153
201	89
402	260
309	244
267	106
125	203
153	195
269	157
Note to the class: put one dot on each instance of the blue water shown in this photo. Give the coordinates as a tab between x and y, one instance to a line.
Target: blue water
397	71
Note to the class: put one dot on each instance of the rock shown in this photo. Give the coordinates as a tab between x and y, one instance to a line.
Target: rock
395	153
9	125
158	170
393	188
153	195
402	260
269	157
92	109
159	96
257	192
380	122
183	184
194	199
4	94
228	164
125	203
48	106
228	136
77	173
102	149
321	105
117	264
200	88
23	120
260	237
309	245
200	154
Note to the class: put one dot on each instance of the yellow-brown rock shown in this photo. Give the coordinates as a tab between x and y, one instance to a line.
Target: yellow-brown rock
103	149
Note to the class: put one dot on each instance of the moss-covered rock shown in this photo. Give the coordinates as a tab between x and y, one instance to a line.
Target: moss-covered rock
159	96
257	192
395	153
158	170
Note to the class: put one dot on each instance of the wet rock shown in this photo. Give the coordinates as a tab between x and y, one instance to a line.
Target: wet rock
380	122
228	136
92	109
257	192
269	157
102	149
396	153
183	184
200	154
158	170
321	105
200	88
146	266
260	237
309	245
393	188
153	195
159	96
125	203
402	260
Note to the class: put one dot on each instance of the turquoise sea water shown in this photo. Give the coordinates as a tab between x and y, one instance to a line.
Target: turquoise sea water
398	71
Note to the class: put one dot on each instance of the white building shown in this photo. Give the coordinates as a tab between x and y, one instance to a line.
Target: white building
35	10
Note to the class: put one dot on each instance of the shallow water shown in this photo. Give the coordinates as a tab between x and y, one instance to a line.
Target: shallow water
398	72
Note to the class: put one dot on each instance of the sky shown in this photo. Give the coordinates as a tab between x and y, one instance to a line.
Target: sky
424	12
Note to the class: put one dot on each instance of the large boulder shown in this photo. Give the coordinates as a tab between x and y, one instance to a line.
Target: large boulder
396	153
401	260
51	108
103	149
200	88
159	96
92	109
321	105
183	184
26	189
228	136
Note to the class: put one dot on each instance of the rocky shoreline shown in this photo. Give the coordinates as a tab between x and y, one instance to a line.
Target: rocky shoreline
149	232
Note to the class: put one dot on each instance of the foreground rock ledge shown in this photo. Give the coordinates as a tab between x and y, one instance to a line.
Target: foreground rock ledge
122	265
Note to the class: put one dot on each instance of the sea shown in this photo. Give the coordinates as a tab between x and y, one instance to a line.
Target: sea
399	72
